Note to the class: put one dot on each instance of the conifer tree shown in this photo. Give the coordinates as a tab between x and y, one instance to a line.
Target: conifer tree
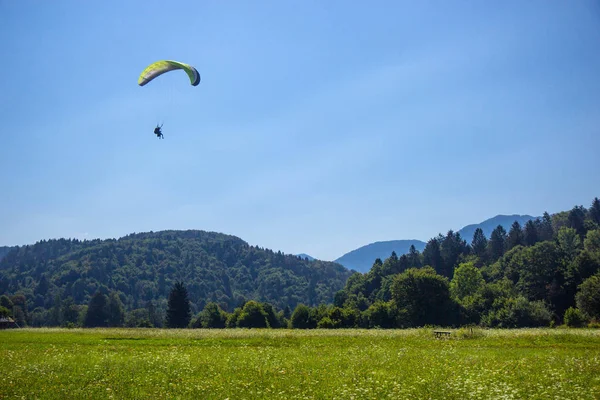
178	309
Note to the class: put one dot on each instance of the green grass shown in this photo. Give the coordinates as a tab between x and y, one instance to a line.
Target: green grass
285	364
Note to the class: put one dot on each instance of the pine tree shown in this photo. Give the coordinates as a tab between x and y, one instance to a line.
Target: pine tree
546	231
414	257
178	309
153	315
452	247
479	243
116	314
496	243
530	235
432	255
595	211
515	236
577	219
43	285
97	312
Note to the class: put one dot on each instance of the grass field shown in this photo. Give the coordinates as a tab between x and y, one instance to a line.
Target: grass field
285	364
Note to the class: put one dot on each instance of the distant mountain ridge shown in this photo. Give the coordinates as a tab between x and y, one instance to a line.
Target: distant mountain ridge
490	224
362	258
304	255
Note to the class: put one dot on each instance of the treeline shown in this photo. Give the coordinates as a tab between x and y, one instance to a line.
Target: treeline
60	277
544	273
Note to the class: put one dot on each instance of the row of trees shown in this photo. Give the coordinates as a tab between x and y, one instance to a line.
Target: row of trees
532	275
545	272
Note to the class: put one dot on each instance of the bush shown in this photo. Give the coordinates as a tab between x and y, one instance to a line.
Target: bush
588	297
253	316
574	318
4	312
594	325
301	318
326	323
517	313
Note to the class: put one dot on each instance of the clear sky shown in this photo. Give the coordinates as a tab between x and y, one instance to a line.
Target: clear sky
318	127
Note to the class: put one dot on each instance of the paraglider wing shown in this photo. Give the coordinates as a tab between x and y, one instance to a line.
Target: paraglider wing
160	67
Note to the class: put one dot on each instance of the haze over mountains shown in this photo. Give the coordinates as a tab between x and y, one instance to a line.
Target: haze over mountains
362	259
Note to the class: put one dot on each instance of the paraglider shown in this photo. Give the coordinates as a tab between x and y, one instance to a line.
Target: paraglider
158	132
158	68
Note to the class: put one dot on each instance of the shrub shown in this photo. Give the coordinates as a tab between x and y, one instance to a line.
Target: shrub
574	318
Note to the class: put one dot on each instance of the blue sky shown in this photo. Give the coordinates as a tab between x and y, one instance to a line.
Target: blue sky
318	127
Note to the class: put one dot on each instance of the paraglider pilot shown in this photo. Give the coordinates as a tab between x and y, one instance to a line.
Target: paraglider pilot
158	132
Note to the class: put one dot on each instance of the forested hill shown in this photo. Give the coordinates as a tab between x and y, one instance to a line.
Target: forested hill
4	250
143	267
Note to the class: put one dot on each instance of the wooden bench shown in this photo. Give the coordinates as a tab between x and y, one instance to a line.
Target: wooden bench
439	334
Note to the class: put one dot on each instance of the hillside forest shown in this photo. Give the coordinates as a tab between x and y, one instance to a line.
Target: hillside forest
544	273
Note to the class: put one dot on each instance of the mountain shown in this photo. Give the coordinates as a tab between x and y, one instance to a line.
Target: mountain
489	225
143	267
4	251
362	259
304	255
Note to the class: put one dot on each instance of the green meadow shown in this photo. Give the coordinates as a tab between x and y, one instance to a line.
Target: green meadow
299	364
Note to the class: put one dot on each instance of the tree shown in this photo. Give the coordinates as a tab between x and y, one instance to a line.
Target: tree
496	243
545	228
69	311
6	303
153	315
588	297
569	242
467	281
4	312
432	255
594	211
574	318
423	296
536	268
517	312
287	312
592	244
212	316
577	219
515	236
274	320
301	318
20	309
116	314
452	248
43	285
380	314
97	312
479	243
253	316
178	308
530	234
414	257
56	318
